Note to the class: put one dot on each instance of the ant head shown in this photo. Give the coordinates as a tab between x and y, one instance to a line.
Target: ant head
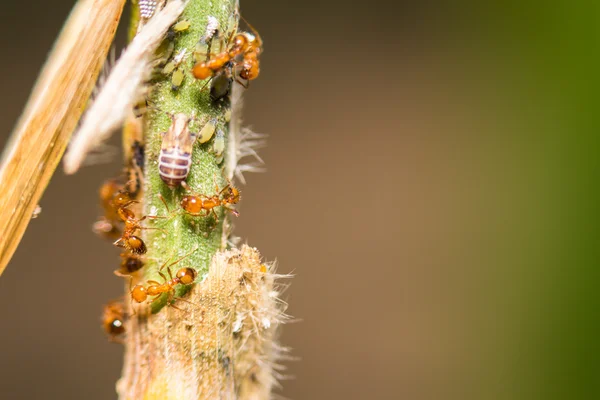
108	190
121	199
232	195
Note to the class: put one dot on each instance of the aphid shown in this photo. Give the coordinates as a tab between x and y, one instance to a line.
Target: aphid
113	319
175	158
203	47
181	26
130	263
184	276
173	67
202	205
219	145
220	85
165	50
207	131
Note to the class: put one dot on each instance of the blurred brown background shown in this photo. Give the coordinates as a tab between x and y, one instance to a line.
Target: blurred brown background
408	189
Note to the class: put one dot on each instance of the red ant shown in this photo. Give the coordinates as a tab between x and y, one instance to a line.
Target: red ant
113	197
195	204
184	276
128	240
245	45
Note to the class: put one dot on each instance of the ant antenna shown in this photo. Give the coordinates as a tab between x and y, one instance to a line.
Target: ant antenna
178	260
151	106
254	31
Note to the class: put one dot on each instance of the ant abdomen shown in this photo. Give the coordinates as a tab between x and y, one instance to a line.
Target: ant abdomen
174	166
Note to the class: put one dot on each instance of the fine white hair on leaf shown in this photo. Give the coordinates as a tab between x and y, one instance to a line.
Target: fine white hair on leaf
243	142
123	87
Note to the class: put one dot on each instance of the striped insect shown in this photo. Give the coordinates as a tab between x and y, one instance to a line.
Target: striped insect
175	158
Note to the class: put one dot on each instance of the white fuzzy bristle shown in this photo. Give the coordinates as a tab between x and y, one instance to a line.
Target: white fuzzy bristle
122	89
243	142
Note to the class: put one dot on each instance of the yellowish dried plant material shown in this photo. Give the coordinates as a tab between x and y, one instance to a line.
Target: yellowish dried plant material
51	115
220	342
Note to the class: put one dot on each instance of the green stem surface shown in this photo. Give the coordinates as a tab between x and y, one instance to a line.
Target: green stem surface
181	233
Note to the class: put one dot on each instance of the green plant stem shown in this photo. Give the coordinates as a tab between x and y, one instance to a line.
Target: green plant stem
181	234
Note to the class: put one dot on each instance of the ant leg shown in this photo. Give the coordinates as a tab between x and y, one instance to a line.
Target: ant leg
244	85
160	196
214	225
216	216
216	184
180	299
186	301
233	211
119	274
254	31
130	202
207	82
162	266
186	186
175	307
220	192
130	291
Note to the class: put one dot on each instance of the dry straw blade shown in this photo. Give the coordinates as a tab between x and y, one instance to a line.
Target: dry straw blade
54	108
